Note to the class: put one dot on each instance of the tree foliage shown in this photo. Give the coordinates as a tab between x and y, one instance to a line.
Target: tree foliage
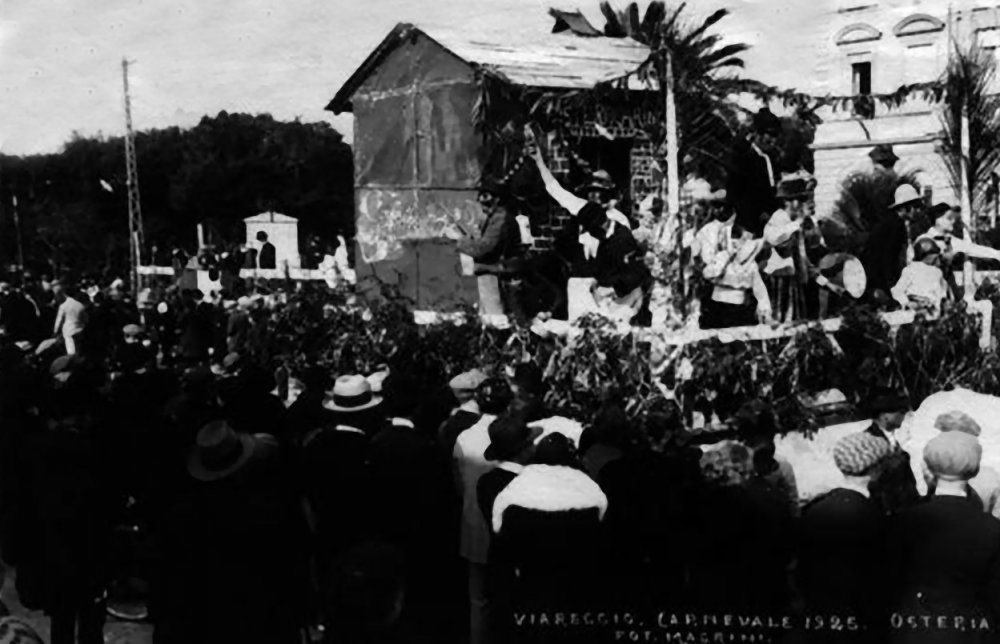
226	168
970	87
864	199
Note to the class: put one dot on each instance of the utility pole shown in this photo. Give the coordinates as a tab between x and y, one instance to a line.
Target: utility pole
132	183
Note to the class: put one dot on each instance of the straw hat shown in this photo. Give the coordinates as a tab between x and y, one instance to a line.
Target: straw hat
905	195
351	394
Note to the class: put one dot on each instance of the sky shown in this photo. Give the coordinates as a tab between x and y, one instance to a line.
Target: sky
60	60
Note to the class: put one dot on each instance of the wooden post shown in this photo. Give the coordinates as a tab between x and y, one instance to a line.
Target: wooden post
673	196
968	217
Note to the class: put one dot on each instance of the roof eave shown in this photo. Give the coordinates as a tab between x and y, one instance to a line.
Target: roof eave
341	102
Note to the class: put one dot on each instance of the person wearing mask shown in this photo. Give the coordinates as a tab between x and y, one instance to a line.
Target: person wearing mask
945	552
885	252
497	253
752	173
622	281
895	487
842	545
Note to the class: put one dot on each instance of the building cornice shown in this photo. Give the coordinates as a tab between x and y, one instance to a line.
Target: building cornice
865	143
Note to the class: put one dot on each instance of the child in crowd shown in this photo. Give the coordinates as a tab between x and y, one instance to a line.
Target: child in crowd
922	285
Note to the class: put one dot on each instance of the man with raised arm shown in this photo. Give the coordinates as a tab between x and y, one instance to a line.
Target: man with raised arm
622	278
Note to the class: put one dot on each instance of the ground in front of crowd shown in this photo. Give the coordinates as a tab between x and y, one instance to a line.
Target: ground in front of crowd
115	632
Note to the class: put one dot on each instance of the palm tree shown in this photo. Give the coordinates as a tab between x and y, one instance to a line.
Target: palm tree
969	81
864	198
707	115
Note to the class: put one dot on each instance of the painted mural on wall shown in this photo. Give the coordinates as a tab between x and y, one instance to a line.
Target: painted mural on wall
387	217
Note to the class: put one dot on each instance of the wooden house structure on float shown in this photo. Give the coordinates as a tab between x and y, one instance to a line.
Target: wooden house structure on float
419	154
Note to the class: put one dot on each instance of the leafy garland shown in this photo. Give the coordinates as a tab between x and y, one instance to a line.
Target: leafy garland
503	108
707	378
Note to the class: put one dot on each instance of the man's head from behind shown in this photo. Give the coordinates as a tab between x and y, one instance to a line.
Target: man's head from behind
261	236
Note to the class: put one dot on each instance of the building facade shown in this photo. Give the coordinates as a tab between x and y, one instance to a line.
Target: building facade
875	47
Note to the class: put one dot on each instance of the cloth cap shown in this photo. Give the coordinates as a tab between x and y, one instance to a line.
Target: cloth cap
132	330
858	453
468	381
953	456
957	421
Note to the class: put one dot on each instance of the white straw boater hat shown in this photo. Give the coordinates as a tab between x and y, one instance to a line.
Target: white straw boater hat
351	393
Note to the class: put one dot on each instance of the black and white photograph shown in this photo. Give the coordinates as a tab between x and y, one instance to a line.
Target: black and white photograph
500	322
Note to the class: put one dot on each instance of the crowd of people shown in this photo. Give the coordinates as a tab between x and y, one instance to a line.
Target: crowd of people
758	252
385	509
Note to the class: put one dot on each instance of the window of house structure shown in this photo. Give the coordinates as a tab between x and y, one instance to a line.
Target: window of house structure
861	85
861	74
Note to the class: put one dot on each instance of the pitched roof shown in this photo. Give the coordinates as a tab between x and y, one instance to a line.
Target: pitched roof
556	61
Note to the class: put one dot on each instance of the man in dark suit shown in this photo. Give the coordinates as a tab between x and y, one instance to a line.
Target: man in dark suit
268	255
335	465
884	255
842	543
752	173
946	551
893	486
512	444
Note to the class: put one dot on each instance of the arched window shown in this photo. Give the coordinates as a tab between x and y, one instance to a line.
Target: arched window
857	33
918	24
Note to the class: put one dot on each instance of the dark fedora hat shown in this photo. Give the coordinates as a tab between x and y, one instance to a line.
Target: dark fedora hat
601	180
885	401
883	153
592	216
509	436
219	451
765	122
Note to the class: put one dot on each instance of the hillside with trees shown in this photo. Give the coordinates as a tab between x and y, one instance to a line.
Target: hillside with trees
72	205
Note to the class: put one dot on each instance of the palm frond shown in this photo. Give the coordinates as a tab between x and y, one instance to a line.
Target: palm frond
968	83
